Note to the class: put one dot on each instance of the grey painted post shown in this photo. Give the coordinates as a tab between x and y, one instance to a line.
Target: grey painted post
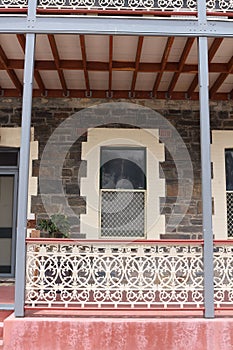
206	177
24	164
23	175
206	164
201	7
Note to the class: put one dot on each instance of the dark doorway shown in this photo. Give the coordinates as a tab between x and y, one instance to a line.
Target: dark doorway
9	158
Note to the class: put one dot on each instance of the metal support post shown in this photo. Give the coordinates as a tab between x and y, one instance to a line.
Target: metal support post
201	8
23	175
206	177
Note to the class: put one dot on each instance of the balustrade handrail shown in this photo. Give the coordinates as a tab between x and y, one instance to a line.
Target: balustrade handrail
120	241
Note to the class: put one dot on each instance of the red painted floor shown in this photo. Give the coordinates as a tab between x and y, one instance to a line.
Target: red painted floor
7	294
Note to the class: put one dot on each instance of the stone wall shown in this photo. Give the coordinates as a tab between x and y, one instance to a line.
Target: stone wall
48	114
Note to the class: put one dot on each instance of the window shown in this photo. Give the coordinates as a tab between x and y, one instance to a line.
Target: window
122	191
122	187
222	183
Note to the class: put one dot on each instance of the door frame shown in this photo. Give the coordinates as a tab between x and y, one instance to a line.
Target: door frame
12	171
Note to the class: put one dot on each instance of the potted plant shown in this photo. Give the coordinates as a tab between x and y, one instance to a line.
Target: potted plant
56	226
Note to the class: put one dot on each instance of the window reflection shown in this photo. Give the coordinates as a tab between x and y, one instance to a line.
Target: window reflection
123	168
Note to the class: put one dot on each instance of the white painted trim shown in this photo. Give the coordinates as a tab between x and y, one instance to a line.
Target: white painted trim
11	137
148	138
221	139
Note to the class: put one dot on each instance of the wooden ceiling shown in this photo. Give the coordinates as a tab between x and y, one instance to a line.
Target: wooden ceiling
116	66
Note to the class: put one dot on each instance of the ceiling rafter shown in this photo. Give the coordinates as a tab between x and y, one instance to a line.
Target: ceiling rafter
15	80
110	64
58	65
84	59
184	55
37	76
137	61
22	41
56	57
166	53
222	77
212	51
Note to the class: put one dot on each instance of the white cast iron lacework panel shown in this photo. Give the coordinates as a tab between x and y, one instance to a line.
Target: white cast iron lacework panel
114	275
13	3
122	213
219	5
146	5
223	275
122	4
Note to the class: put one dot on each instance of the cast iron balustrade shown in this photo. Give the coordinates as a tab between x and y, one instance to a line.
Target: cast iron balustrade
125	274
143	6
114	274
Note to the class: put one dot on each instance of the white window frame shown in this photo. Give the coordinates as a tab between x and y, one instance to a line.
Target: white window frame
89	186
11	137
221	140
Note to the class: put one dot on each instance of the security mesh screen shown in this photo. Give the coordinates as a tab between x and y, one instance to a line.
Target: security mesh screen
230	214
122	213
229	189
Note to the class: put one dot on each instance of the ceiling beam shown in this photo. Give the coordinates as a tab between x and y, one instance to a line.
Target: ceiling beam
84	62
137	61
52	93
222	77
56	57
212	51
147	67
37	76
15	80
117	25
163	64
184	55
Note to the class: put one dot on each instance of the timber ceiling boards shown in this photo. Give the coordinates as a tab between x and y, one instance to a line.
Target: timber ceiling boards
116	66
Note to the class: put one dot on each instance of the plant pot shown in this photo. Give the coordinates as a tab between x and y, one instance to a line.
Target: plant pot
35	234
44	234
58	235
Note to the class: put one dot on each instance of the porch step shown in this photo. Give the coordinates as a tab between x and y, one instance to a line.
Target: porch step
3	315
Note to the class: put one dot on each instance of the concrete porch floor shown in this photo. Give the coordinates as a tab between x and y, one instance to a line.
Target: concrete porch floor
7	294
122	333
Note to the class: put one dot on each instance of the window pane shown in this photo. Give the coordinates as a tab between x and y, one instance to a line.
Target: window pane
8	158
229	169
123	168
